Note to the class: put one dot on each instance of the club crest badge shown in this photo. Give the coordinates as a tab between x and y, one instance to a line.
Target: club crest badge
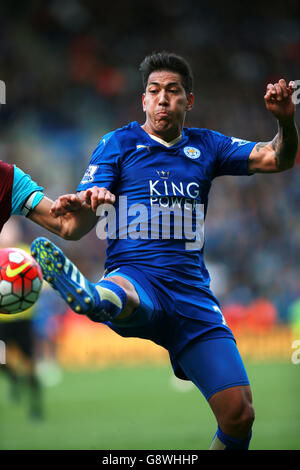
192	152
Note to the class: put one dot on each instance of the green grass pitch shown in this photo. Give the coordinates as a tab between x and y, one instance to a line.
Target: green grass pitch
140	408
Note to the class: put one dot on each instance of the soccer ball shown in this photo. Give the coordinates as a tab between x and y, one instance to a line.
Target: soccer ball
21	280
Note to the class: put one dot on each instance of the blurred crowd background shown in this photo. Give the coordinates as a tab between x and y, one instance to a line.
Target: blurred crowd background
71	74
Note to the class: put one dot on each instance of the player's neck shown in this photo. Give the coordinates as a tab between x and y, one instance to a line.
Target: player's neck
166	136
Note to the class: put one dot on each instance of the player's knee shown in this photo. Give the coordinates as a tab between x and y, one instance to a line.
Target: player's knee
239	420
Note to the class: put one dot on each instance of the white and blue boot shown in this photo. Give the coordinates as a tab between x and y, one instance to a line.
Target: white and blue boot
101	302
64	276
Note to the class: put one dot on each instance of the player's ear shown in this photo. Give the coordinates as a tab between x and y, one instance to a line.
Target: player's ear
190	101
144	101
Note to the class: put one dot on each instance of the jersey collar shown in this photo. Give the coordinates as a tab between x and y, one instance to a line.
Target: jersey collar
152	138
163	142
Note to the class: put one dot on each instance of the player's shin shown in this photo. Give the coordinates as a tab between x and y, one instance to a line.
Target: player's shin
110	299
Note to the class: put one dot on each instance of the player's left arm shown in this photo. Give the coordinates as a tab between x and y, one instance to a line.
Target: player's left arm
280	153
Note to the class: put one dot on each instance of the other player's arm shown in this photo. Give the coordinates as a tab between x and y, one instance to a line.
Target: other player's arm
29	200
71	225
280	153
73	215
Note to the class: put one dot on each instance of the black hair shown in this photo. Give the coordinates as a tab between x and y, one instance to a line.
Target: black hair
167	61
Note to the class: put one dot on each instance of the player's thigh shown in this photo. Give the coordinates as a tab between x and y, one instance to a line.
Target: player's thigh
213	365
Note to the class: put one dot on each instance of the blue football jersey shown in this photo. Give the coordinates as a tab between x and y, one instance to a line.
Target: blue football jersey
161	194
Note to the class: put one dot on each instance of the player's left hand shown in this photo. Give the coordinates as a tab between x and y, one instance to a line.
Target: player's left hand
278	100
66	203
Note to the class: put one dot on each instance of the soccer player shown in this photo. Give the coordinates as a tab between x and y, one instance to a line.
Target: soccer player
20	195
17	332
156	285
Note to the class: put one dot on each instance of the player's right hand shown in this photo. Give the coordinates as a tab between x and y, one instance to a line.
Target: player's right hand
96	196
66	203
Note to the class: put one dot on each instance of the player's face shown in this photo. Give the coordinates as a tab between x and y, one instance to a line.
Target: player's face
165	103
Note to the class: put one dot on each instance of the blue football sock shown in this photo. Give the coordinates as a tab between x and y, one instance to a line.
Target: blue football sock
222	441
110	299
143	313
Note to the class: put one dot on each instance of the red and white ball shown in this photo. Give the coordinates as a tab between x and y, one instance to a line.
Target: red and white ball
21	280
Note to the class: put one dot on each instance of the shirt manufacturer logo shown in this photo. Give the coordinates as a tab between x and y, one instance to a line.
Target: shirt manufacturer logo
138	147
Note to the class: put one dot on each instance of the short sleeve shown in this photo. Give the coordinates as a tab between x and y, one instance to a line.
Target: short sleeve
103	167
232	155
23	187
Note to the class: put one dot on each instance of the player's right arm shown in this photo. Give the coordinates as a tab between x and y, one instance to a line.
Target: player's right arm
102	175
94	189
96	196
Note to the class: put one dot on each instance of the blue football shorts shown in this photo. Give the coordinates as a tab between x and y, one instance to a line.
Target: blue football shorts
187	321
